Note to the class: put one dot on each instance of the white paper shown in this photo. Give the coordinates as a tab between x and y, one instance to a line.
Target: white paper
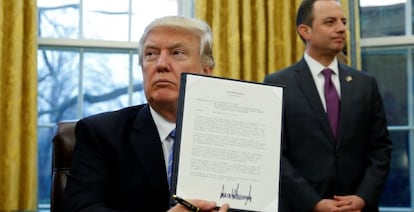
230	143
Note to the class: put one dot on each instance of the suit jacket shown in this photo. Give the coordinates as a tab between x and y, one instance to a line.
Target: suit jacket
118	164
314	164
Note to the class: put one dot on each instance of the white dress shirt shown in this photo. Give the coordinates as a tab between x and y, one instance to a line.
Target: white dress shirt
164	128
316	70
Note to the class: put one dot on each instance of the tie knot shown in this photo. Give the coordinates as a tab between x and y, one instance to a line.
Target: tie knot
327	72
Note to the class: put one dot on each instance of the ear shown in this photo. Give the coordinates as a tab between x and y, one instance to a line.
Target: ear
207	70
304	31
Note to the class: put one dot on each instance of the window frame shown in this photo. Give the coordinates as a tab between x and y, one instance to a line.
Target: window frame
184	8
405	41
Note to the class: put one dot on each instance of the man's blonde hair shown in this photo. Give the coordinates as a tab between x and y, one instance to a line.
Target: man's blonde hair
197	27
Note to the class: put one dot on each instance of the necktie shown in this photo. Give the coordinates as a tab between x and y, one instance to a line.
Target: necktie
170	159
332	101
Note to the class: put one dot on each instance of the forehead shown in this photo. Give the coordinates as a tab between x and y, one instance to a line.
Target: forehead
327	8
164	34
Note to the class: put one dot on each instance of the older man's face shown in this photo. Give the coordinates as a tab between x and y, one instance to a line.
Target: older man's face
166	53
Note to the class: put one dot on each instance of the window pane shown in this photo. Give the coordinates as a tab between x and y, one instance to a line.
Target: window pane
389	66
57	85
143	13
57	100
382	18
106	80
77	82
44	137
58	19
397	190
106	20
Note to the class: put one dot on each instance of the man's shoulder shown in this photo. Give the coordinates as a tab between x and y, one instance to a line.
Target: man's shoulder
116	116
345	69
284	73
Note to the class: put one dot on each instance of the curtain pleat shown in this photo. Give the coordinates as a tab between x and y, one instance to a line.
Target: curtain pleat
18	108
252	38
356	30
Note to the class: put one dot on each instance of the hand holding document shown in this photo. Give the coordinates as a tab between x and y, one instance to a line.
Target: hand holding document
188	205
229	137
205	206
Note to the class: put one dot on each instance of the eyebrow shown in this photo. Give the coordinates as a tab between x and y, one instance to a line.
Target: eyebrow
333	17
170	46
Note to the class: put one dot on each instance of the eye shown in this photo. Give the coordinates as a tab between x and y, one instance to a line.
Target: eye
178	54
150	54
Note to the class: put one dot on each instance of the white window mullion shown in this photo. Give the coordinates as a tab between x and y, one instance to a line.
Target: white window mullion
87	43
80	86
80	19
410	89
185	8
352	33
410	123
131	78
129	20
408	17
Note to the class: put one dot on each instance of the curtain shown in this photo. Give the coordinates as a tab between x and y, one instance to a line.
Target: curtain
354	48
252	38
18	109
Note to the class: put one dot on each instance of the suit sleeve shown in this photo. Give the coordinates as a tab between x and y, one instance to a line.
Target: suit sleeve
89	174
296	193
376	173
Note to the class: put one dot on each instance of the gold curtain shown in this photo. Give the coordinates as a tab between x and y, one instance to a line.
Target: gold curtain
252	38
18	108
342	57
356	53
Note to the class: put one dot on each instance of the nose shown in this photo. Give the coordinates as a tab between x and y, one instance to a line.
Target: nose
341	27
163	63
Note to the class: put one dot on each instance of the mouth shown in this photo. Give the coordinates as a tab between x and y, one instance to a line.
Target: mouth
162	83
339	39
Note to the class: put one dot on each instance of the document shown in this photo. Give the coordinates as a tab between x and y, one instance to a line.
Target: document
228	141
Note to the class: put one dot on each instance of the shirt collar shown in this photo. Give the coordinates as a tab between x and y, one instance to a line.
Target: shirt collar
317	67
164	127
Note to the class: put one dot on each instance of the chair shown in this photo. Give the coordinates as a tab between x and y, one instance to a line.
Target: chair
62	148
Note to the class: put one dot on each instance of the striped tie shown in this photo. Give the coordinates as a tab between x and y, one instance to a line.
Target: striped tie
170	159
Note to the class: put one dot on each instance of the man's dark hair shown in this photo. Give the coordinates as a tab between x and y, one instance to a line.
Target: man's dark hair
304	14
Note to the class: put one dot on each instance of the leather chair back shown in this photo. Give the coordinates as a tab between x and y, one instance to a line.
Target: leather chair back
62	149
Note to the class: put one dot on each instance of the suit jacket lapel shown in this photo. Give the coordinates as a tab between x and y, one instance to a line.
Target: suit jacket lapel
146	143
308	87
346	78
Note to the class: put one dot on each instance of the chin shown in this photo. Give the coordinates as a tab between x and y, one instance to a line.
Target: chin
165	97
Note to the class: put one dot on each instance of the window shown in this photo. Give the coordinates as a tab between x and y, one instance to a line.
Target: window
387	46
88	63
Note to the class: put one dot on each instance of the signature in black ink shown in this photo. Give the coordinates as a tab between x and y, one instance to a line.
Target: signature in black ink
234	194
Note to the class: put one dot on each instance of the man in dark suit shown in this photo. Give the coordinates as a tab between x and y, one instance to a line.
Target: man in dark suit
120	159
330	164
